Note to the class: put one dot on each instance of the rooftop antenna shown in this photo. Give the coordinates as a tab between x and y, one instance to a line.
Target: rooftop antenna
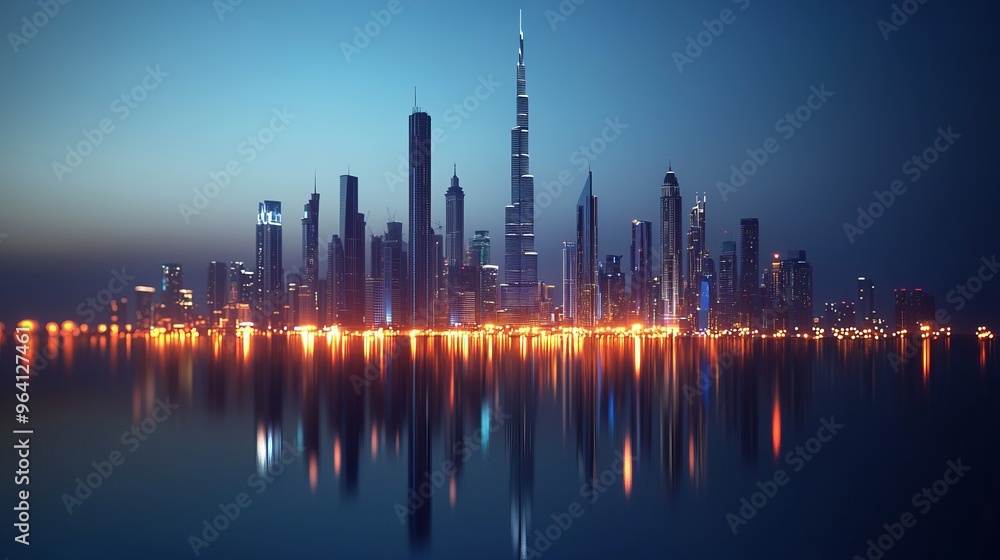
314	181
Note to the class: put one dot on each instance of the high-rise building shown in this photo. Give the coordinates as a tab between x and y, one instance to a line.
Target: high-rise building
187	307
671	273
454	227
375	269
374	303
727	300
145	307
588	298
310	240
171	284
309	289
613	292
241	284
749	287
394	282
421	235
216	296
462	300
697	252
335	282
641	264
797	285
270	273
571	272
706	296
914	309
352	235
519	292
479	248
489	293
866	303
439	282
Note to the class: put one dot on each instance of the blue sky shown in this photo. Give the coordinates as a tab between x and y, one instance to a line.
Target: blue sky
222	79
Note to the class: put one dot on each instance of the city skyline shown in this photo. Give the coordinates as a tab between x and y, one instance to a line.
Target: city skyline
863	256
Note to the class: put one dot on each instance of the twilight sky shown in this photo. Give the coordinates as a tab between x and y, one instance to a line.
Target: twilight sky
203	84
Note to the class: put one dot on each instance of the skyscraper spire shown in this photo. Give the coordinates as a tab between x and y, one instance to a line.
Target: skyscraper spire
314	181
519	291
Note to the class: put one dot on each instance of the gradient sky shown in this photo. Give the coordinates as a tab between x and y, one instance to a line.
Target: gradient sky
119	207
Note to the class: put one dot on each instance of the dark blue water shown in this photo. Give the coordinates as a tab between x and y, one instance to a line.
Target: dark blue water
553	447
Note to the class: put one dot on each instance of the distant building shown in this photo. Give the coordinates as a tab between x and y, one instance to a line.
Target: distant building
749	284
217	293
489	293
145	307
588	309
479	248
727	299
171	284
641	265
613	296
697	252
269	274
394	282
914	309
866	303
570	270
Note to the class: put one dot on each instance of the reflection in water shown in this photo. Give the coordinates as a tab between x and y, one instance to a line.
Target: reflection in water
445	403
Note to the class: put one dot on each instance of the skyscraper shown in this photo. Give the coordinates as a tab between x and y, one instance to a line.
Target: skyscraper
352	234
587	299
145	314
641	264
479	248
866	303
393	276
613	291
309	290
697	252
310	240
749	287
727	307
914	309
216	294
335	281
797	278
420	239
270	274
671	272
519	292
171	284
570	273
454	227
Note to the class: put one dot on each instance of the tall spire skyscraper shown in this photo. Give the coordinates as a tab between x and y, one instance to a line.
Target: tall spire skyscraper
670	249
421	236
310	249
454	227
519	292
